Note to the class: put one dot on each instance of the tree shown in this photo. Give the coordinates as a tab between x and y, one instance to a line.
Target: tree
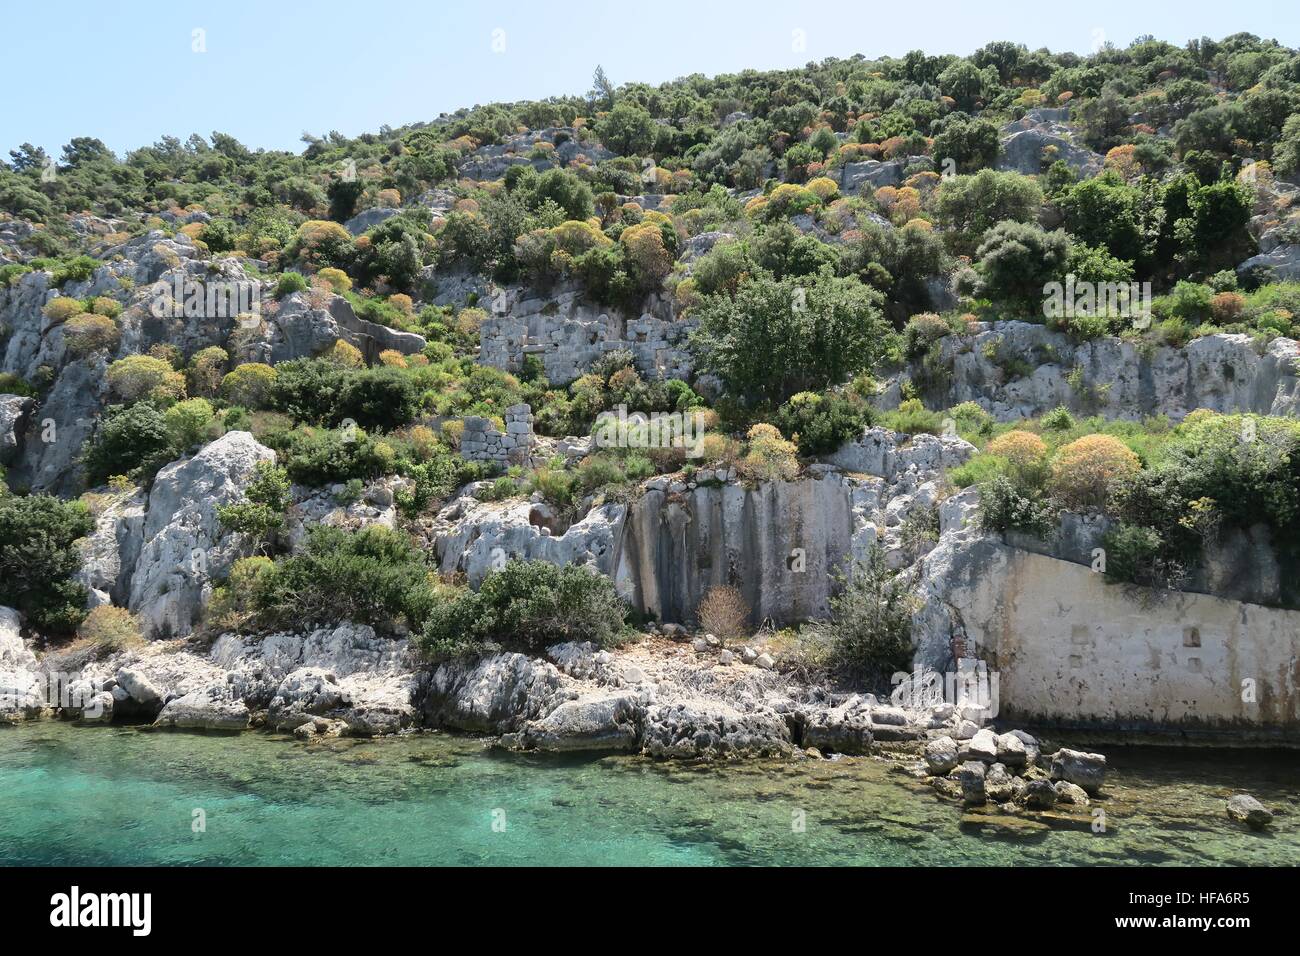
37	559
970	143
971	205
1016	260
782	336
130	441
602	90
628	129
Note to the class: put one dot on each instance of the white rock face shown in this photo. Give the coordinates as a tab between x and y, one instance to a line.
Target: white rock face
1116	378
182	545
21	691
208	709
473	537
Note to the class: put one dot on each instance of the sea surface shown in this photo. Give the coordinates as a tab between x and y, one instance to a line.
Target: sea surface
123	795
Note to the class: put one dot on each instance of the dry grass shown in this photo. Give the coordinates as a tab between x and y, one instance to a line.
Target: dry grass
724	613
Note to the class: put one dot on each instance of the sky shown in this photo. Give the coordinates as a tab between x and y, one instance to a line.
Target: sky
265	72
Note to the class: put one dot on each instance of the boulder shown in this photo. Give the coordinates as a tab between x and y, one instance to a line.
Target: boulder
838	731
1011	751
495	695
997	784
1087	770
209	709
982	746
941	756
183	547
1244	808
606	722
1039	795
709	729
1067	792
971	777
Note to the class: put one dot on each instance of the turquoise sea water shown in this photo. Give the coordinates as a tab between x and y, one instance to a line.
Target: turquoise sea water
121	795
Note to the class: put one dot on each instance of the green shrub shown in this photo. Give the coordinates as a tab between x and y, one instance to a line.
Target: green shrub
526	606
373	576
265	501
289	283
871	624
316	457
190	423
38	559
820	424
1007	506
109	629
129	441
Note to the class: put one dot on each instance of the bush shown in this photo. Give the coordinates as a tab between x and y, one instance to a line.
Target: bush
526	606
130	441
723	613
1023	451
109	629
1085	470
207	367
62	308
189	423
373	576
769	457
871	624
232	605
289	283
1007	506
265	501
38	559
343	354
249	385
316	457
86	334
137	377
779	337
820	424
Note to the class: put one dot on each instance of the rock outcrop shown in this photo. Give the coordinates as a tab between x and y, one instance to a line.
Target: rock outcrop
1108	376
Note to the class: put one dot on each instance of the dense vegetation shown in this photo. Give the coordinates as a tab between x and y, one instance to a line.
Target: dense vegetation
728	198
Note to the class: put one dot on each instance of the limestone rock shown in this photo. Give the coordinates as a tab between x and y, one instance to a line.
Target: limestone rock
1087	770
971	776
1244	808
209	709
941	756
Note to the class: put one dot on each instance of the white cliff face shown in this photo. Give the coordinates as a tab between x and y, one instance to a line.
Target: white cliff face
473	537
1113	377
158	555
21	691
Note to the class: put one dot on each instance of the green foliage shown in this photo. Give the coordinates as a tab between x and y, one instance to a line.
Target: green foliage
526	606
373	576
265	501
38	559
777	337
130	441
871	624
820	424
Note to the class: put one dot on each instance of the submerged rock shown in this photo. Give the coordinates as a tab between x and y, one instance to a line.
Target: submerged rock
1244	808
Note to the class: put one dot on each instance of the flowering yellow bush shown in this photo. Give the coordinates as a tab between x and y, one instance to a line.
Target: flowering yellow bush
143	376
1085	470
392	357
345	354
769	457
248	385
63	308
338	279
1022	449
824	188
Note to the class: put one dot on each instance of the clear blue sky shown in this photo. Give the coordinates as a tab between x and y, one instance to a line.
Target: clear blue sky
126	72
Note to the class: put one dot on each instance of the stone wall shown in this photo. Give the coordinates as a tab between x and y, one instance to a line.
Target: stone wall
482	442
569	335
1072	649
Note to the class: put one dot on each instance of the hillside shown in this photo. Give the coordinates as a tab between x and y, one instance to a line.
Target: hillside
983	367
